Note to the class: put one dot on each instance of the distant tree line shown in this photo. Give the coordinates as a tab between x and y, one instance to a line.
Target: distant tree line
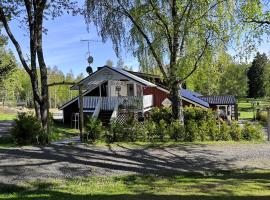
15	88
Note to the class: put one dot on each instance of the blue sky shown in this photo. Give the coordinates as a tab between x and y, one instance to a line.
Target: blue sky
63	48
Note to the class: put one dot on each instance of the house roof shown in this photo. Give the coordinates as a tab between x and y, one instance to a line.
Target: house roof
77	97
193	97
132	76
126	74
219	100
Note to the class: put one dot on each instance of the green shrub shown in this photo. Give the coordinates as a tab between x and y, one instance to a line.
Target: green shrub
200	124
162	130
262	116
28	130
203	131
151	129
224	132
213	130
191	130
158	114
236	131
176	131
252	132
94	129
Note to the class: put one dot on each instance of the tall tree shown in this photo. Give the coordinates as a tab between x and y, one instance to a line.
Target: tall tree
175	36
255	74
32	15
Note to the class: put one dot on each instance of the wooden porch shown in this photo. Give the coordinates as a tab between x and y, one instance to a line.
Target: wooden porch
133	103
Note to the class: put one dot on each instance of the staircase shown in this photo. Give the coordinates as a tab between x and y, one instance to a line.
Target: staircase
105	116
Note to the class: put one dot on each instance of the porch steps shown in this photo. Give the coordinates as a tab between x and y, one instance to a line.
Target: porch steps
105	116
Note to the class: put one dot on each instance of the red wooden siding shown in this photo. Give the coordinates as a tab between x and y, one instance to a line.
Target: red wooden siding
158	95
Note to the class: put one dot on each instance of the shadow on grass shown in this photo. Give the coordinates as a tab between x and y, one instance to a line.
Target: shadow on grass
185	186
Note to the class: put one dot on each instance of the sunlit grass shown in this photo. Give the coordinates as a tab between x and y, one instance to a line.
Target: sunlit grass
213	185
6	117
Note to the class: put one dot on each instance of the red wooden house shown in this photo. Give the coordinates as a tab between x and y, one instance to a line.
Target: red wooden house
110	92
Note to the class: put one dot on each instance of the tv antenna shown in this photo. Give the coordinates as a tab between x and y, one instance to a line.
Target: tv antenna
89	58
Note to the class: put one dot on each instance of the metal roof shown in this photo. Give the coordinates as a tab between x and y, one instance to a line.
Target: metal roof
193	96
132	76
87	81
219	100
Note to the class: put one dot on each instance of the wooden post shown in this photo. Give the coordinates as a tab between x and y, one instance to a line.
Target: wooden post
268	123
81	112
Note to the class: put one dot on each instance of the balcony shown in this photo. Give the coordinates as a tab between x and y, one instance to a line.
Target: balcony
132	103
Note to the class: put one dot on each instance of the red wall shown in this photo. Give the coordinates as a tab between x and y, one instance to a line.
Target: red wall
158	95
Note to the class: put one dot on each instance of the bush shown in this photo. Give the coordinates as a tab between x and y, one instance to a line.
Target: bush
28	130
158	114
151	129
235	131
252	132
200	124
176	131
224	132
162	130
262	116
94	129
191	131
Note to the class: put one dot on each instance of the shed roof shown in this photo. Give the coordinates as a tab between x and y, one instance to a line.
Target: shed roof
219	100
193	96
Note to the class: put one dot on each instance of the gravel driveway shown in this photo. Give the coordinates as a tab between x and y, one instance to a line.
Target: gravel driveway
29	163
5	127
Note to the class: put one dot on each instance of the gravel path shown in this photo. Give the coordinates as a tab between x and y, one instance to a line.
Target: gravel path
5	127
54	161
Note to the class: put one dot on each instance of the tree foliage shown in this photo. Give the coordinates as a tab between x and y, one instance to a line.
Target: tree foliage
255	74
175	36
32	14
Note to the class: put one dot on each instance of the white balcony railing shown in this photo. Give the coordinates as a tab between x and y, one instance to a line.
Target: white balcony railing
123	102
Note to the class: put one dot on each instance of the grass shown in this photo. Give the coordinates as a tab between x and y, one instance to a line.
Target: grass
139	144
60	132
5	117
215	186
246	109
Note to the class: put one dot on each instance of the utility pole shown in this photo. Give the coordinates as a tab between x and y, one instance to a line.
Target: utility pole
268	123
81	112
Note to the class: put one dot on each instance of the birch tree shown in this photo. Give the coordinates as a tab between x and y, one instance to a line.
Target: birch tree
175	36
31	14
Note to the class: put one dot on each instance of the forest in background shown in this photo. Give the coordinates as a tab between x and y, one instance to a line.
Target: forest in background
15	86
223	77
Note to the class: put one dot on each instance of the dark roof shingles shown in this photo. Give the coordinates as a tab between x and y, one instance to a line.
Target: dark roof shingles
219	100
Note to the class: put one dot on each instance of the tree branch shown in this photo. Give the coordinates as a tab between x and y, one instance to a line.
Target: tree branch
14	41
169	38
149	43
196	65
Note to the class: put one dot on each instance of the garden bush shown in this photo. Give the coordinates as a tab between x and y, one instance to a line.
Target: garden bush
262	116
158	114
200	125
28	130
252	131
191	130
224	131
150	129
176	131
235	131
94	129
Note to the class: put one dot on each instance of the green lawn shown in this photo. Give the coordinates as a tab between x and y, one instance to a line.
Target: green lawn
62	132
245	106
4	116
216	186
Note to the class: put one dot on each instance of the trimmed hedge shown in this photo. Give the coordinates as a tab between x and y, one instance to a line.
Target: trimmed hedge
200	125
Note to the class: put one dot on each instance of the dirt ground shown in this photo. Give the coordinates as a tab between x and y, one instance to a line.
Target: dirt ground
54	161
